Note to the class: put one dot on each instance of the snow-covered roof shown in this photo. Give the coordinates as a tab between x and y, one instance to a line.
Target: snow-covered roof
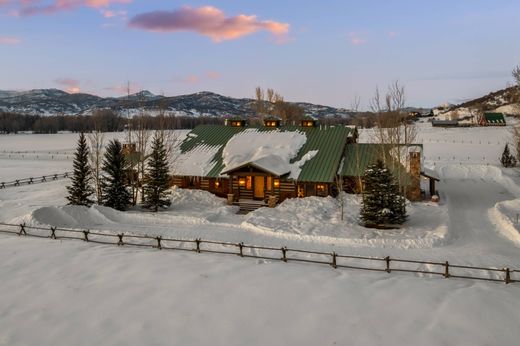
269	150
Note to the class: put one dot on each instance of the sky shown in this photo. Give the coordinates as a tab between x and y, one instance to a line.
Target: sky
327	52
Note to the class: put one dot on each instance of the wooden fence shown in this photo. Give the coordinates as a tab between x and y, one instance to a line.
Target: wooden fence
285	254
34	180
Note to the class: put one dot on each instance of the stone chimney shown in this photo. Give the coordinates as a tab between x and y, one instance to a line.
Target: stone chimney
414	190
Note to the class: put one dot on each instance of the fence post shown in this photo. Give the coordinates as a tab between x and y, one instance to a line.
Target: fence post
334	261
198	244
159	246
284	254
85	233
53	232
446	270
507	279
120	242
22	229
387	260
241	247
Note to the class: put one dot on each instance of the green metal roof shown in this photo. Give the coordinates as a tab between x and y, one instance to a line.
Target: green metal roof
328	141
359	156
494	118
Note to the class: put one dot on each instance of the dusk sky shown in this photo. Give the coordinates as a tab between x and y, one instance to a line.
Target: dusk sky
324	52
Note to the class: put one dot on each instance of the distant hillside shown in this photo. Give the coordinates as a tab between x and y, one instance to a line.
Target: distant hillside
54	101
492	101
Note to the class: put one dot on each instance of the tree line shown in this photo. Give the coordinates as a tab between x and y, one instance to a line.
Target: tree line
101	120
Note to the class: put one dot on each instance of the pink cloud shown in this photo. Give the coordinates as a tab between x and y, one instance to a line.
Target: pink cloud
9	40
208	21
35	7
112	14
71	85
191	79
392	34
355	39
213	75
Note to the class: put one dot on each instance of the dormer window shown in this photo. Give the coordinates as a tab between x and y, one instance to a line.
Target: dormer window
308	123
237	123
272	123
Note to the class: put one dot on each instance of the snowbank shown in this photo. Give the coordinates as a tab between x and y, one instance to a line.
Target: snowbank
504	215
188	207
320	219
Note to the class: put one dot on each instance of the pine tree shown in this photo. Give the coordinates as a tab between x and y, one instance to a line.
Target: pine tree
157	180
507	159
113	185
382	202
81	190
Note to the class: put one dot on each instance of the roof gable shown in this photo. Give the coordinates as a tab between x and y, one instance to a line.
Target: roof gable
316	160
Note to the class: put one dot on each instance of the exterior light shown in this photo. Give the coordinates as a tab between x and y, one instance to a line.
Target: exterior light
217	184
276	183
242	181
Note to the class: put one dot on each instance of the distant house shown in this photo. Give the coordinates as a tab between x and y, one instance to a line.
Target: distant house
445	123
492	119
268	164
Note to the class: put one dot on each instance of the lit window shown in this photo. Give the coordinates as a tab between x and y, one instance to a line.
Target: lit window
249	182
269	183
321	190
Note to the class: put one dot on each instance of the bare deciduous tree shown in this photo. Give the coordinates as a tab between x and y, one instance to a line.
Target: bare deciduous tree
96	139
394	130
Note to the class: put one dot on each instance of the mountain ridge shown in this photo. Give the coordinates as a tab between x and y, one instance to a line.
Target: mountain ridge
204	103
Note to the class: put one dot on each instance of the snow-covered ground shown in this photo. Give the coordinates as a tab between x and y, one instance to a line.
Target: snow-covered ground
65	292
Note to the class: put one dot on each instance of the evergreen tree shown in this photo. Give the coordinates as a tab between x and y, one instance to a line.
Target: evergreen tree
507	159
81	190
382	202
157	180
113	184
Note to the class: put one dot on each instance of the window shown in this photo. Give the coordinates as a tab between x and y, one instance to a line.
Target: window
249	182
269	184
321	190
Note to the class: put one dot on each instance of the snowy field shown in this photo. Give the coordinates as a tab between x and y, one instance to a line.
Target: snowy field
67	292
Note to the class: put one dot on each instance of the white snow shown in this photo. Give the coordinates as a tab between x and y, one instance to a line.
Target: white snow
197	162
512	109
68	292
270	150
297	166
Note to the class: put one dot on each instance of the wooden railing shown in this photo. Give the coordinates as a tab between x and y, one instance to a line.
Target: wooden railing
283	253
34	180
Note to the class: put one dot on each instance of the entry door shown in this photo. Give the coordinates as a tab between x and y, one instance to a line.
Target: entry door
259	187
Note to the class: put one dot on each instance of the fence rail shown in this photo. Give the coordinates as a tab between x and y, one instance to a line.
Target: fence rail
34	180
283	253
